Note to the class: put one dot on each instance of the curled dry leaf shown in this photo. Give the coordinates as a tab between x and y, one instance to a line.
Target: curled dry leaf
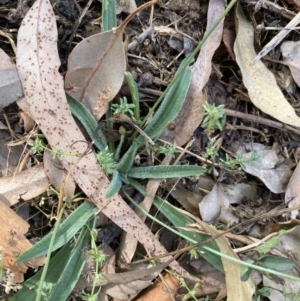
45	102
212	204
259	81
96	68
274	177
192	111
28	122
57	175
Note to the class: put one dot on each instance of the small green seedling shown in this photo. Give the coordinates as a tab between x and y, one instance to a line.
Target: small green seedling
39	146
106	161
214	117
124	107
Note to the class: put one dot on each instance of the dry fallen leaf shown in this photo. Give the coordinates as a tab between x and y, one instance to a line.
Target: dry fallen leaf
292	194
25	185
96	68
45	102
275	178
10	86
163	290
237	290
13	243
57	174
212	204
192	111
259	81
291	55
188	199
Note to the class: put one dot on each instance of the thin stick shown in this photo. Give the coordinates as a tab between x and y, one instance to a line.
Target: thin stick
278	38
268	122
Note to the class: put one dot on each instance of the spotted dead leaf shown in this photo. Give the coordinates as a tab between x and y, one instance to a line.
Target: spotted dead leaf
96	68
45	102
259	81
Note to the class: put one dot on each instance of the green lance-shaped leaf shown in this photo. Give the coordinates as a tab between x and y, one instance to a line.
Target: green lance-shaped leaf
167	111
115	185
165	172
109	19
88	121
60	280
66	231
133	87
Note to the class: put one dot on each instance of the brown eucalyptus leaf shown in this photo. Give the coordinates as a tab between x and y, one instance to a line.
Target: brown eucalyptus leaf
45	102
191	113
96	68
259	81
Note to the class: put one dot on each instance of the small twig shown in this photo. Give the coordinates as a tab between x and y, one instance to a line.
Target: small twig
190	153
268	122
278	38
140	39
142	58
77	23
12	43
124	118
273	7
